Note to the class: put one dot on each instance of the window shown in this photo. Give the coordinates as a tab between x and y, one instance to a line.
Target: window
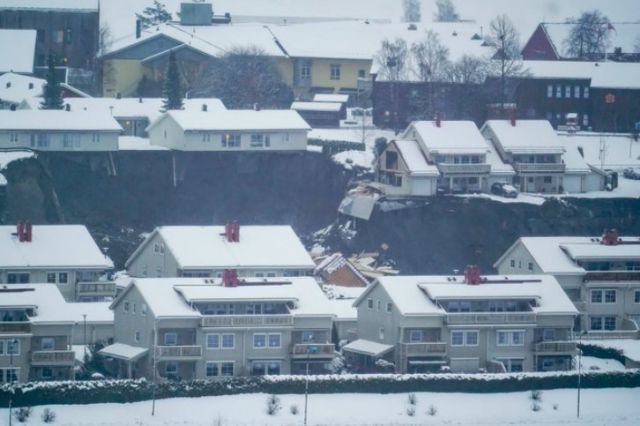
550	91
95	137
567	91
13	137
362	73
8	375
596	296
226	369
576	92
212	369
609	323
171	339
40	36
13	347
530	266
335	72
47	344
609	296
63	278
389	307
603	323
305	70
133	308
370	303
231	140
58	36
378	304
308	337
51	277
228	341
171	368
257	140
464	338
46	373
415	336
603	296
585	92
213	341
585	120
206	137
636	296
548	179
259	341
274	340
136	336
217	369
548	334
512	262
510	337
596	323
512	365
126	306
260	368
143	309
559	91
381	333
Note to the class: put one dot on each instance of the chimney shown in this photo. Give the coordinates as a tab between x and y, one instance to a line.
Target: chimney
28	232
118	95
610	237
67	107
30	86
8	84
140	100
228	232
256	107
236	232
138	28
230	278
512	118
20	231
472	275
437	119
204	107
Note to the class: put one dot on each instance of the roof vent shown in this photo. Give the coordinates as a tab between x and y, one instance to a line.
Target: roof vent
8	84
204	107
437	119
67	107
30	86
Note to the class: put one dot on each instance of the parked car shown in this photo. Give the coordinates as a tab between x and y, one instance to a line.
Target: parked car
631	173
504	190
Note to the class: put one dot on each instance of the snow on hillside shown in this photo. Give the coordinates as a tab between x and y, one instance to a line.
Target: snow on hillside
613	407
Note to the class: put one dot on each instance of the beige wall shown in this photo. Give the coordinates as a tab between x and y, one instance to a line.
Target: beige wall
121	76
321	73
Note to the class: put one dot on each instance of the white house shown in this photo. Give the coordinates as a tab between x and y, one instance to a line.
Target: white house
207	251
19	91
403	170
601	275
58	130
62	255
542	160
230	130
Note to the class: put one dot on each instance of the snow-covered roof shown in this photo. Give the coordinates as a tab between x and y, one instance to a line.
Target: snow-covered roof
451	137
52	5
205	247
343	309
367	347
330	97
418	295
608	75
526	137
573	160
15	88
316	106
123	351
17	50
230	120
50	306
56	246
498	167
616	151
150	108
591	250
414	158
96	312
58	120
624	35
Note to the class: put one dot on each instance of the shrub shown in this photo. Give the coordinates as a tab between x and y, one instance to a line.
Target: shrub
273	405
536	395
432	411
555	406
294	409
48	416
411	411
22	414
535	407
412	399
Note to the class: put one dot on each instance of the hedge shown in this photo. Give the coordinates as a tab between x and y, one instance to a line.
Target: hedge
120	391
601	352
334	147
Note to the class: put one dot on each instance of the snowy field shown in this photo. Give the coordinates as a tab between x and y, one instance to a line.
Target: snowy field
612	407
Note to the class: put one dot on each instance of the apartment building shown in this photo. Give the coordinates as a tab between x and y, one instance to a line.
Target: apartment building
464	323
601	276
64	256
197	328
38	328
230	130
207	251
57	130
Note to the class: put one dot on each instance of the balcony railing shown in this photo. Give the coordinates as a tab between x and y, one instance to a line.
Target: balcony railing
554	347
612	276
425	348
312	350
613	334
15	327
247	321
61	358
491	318
451	168
96	288
539	167
179	352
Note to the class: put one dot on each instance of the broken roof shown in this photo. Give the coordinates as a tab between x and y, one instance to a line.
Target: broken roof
414	159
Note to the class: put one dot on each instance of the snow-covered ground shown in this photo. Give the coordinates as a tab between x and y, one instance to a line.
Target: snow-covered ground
357	135
606	151
590	363
7	157
350	159
612	407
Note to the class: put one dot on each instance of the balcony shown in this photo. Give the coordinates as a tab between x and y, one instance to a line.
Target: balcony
554	347
98	288
472	169
424	348
612	276
312	350
491	318
53	358
179	352
539	167
15	327
248	321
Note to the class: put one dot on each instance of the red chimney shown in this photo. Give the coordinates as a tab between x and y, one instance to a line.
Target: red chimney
230	278
20	231
236	232
512	118
228	233
472	275
436	118
28	232
610	237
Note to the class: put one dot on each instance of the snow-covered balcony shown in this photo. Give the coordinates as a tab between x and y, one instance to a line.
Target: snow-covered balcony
612	276
15	327
96	288
424	348
459	168
179	352
550	348
491	318
53	358
539	167
247	321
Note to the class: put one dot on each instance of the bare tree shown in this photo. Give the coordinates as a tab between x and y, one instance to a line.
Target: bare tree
469	70
411	10
589	36
507	59
392	59
431	58
446	12
154	15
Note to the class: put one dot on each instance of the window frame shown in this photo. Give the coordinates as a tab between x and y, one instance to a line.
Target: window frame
51	347
171	333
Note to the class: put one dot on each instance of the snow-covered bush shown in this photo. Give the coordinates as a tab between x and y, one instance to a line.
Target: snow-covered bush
412	399
22	414
48	416
432	411
385	365
337	365
535	407
555	406
294	409
273	405
411	411
536	395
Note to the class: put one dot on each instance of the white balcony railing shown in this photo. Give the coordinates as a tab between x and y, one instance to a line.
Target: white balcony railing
425	348
96	288
53	358
539	167
312	350
491	318
451	168
179	352
15	327
555	347
247	321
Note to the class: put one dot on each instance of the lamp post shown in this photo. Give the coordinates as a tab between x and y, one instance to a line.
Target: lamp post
310	350
579	371
11	350
84	340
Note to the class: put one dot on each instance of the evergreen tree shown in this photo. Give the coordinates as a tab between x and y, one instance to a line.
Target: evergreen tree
172	90
52	96
154	15
446	12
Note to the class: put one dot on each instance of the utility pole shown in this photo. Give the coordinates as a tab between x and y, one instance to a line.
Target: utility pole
579	371
84	341
153	396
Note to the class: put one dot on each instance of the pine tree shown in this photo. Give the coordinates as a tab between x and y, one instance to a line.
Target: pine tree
154	15
52	96
172	90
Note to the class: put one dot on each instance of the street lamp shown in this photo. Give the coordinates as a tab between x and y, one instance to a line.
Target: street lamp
580	334
310	350
11	349
84	341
